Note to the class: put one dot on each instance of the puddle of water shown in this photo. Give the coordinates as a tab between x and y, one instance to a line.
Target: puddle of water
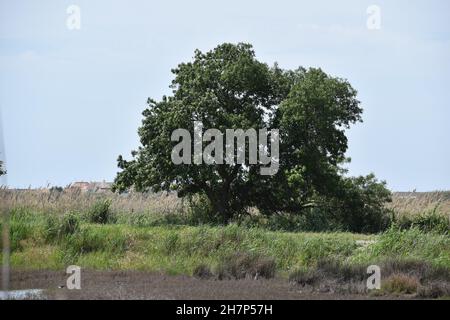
27	294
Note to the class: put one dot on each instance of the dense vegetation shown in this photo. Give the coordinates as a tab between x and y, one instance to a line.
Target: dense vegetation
52	241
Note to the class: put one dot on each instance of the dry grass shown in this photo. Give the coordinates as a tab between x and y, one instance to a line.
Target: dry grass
409	205
402	202
241	265
401	284
45	200
414	203
435	290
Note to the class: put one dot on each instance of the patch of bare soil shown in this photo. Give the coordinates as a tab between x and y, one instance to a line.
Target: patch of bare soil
142	285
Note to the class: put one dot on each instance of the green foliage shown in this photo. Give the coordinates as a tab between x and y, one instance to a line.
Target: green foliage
101	213
410	244
225	88
59	227
228	88
22	227
171	243
428	222
201	212
359	205
51	241
314	219
312	119
90	239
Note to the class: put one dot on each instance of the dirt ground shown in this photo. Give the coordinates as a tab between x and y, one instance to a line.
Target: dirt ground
141	285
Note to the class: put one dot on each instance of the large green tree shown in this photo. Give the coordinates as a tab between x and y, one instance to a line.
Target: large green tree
228	88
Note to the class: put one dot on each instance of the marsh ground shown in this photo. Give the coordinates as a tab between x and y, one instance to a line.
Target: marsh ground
144	285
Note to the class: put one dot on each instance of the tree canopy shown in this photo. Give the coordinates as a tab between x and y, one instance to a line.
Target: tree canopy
228	88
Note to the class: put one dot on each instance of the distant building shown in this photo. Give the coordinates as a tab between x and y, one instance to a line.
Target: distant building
101	186
91	186
82	186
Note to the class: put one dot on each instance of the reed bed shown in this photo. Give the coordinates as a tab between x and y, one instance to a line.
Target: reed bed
415	203
54	201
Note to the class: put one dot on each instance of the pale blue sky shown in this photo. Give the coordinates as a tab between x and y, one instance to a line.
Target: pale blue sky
71	101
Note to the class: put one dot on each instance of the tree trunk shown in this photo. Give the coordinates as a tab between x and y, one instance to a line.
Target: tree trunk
221	206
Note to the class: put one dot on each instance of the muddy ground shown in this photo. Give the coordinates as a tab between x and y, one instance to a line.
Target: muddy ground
141	285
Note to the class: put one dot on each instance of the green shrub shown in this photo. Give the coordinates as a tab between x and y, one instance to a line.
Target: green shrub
92	239
59	227
317	219
25	225
409	245
360	206
147	219
171	243
19	232
200	211
427	222
101	213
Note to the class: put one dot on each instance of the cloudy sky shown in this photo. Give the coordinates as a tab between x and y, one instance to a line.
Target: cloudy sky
71	100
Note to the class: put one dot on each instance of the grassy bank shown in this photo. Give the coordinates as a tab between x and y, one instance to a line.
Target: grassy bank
44	241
